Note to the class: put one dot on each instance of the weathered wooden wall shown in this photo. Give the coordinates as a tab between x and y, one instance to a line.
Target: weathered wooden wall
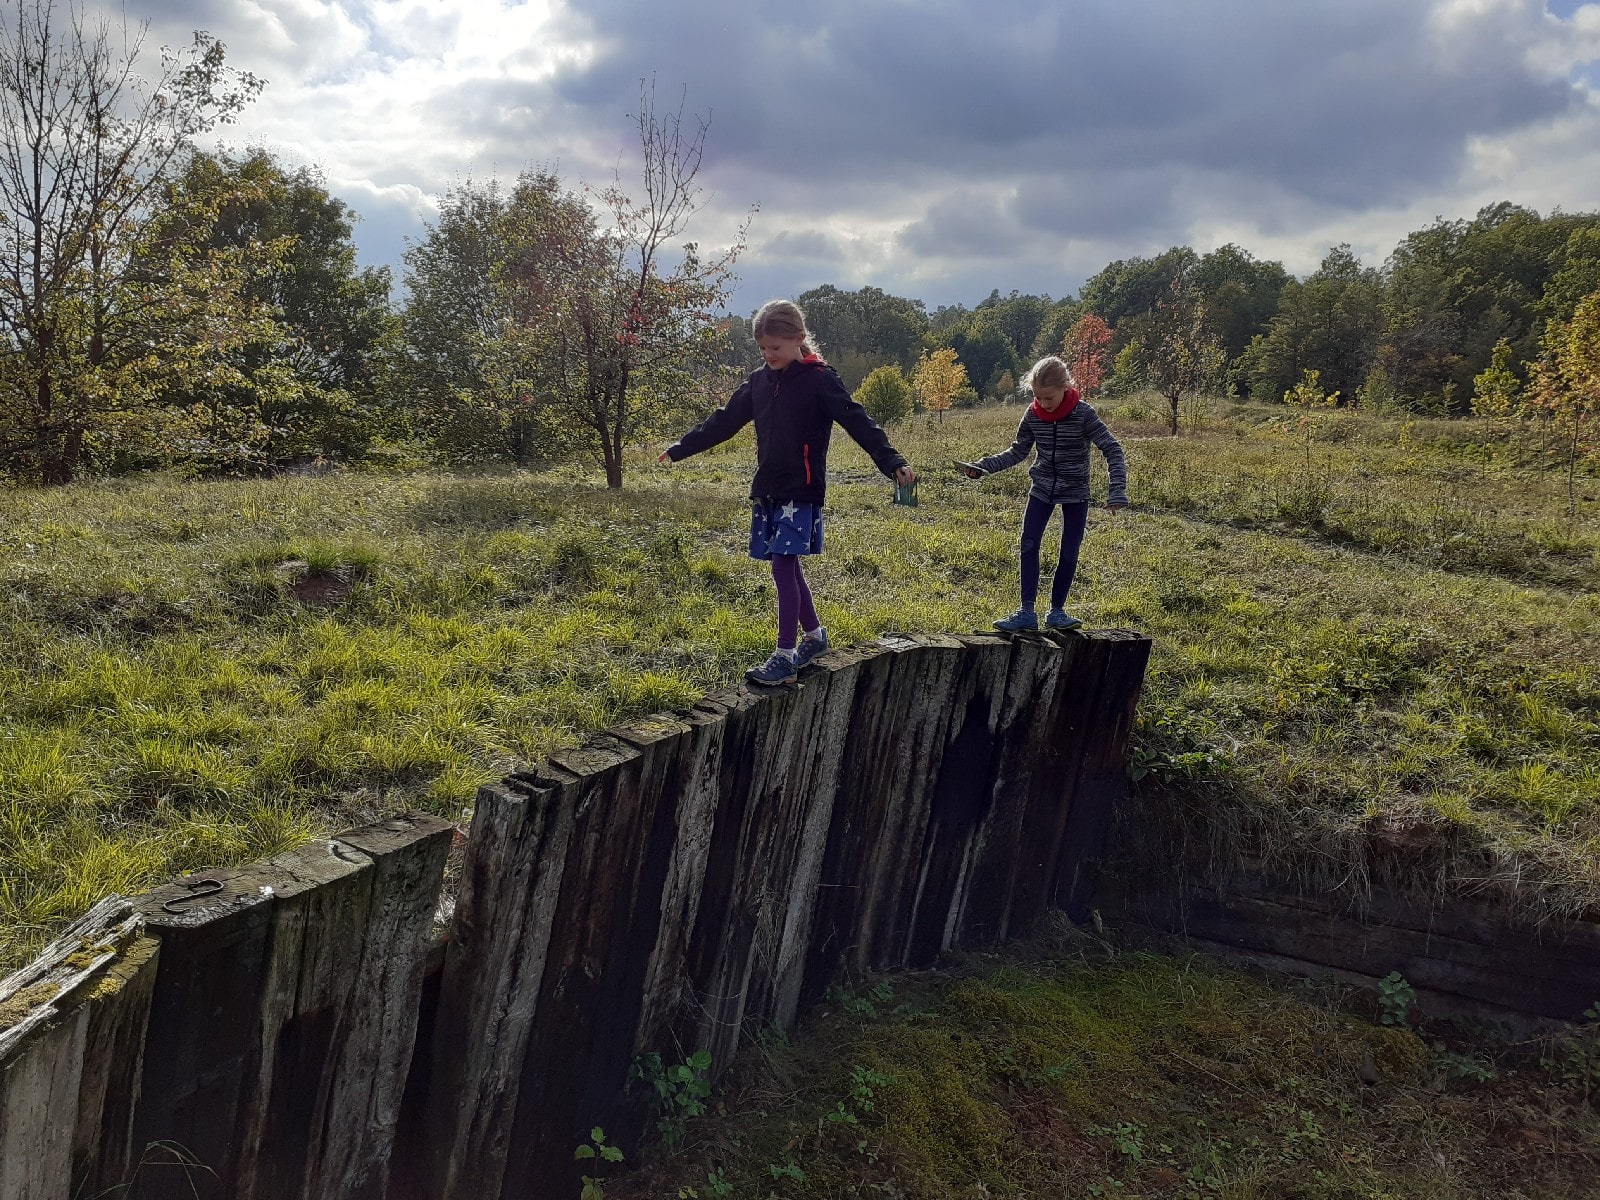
690	878
1463	955
249	1038
670	885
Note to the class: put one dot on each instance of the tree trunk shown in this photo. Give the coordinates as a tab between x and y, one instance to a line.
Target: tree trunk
1172	402
613	459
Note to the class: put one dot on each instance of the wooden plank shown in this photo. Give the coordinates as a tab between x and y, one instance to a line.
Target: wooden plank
960	795
1102	762
203	1045
118	1003
321	896
1022	726
379	1022
38	1109
1060	742
913	729
494	966
606	922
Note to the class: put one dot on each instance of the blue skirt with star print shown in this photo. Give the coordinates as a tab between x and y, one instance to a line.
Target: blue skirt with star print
784	527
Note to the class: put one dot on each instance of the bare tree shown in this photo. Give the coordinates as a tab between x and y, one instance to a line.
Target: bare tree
613	332
99	305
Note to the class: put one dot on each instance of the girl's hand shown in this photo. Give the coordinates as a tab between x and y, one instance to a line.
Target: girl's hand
972	472
663	457
905	475
1116	508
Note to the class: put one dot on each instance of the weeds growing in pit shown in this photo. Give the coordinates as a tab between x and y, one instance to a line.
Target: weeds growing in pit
1057	1074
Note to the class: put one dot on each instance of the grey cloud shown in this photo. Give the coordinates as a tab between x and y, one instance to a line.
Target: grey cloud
968	223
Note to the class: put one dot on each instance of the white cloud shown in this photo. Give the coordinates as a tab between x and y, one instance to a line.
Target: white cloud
1022	144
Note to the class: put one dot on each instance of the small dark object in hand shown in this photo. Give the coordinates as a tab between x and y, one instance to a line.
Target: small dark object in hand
905	493
966	466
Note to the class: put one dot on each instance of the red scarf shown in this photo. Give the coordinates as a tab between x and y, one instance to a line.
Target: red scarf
1064	409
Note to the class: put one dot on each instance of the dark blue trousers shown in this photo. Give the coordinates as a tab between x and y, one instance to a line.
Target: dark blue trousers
1034	519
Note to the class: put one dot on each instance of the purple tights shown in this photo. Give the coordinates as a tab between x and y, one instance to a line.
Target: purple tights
794	600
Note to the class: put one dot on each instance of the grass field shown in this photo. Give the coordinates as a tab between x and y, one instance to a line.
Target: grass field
1357	624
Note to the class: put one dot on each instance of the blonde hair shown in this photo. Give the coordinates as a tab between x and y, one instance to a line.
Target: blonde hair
783	319
1050	372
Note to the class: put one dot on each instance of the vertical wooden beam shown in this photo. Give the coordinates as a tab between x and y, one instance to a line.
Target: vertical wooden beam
203	1046
494	966
54	1012
1022	727
1102	761
103	1152
378	1022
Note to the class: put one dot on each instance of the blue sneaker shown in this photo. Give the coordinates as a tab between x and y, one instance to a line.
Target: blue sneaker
1058	618
810	647
775	672
1023	618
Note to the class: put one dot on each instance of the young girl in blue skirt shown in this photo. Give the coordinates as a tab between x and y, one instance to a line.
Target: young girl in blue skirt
794	401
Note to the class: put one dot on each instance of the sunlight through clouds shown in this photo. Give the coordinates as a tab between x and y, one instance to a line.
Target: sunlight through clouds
1022	146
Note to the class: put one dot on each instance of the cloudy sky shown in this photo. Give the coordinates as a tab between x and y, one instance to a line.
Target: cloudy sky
937	149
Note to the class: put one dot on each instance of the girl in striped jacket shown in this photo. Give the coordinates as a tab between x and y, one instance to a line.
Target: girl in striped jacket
1059	427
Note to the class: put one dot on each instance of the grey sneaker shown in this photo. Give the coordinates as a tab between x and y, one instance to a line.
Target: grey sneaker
810	647
775	672
1023	618
1058	618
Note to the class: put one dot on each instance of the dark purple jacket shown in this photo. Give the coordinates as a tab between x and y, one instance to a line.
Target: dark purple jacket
794	411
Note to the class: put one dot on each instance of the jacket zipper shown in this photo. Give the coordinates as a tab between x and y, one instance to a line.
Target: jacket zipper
805	453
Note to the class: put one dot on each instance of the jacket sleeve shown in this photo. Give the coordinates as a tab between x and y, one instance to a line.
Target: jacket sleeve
868	434
717	428
1116	462
1012	456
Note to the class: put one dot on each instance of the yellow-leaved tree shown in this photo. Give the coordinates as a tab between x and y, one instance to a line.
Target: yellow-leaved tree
1564	387
937	378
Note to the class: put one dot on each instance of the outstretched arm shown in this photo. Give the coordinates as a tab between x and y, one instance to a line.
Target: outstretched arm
868	434
1011	456
715	429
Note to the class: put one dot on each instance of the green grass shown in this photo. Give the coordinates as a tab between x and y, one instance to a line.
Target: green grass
1048	1073
1383	631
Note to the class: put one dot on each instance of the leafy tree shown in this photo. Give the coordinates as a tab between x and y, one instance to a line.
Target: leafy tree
1020	318
104	303
1137	286
462	383
1310	394
1577	276
1495	391
454	313
985	351
1457	288
886	395
1087	350
1006	388
1329	324
606	327
938	377
1564	388
1063	315
1240	294
309	386
1174	349
859	330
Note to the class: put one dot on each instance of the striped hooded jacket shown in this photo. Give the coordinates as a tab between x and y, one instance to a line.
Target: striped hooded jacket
1060	471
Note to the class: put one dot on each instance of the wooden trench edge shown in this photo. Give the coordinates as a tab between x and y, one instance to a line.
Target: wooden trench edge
290	1004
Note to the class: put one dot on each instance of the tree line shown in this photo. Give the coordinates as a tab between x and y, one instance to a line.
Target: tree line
163	306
